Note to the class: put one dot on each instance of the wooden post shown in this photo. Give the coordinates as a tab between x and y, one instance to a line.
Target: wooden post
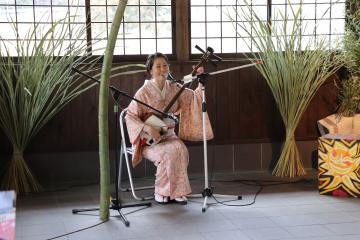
182	30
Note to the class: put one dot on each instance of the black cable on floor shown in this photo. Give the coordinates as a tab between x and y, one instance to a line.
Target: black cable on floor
79	230
252	183
261	183
239	205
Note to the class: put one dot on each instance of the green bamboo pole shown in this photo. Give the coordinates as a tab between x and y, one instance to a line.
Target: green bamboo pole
103	112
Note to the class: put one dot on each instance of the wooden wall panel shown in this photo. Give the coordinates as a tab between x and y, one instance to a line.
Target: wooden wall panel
323	104
240	105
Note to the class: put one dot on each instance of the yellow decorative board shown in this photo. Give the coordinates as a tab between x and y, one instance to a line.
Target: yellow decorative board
339	165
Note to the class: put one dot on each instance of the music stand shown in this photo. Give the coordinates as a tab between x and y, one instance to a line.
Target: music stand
116	202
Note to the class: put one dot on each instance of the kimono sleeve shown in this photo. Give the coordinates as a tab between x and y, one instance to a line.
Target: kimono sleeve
190	127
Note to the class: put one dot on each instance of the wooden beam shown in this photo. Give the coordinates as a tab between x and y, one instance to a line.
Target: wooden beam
182	30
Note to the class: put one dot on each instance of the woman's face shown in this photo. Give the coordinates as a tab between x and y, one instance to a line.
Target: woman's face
160	69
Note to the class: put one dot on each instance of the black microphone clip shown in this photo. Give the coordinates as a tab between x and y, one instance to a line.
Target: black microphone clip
172	79
202	77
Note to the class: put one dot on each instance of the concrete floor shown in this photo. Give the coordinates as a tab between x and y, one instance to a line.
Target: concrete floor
285	211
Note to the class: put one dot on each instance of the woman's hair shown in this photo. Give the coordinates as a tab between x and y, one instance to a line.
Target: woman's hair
151	58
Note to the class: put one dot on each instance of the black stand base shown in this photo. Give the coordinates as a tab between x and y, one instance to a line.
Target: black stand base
115	205
209	192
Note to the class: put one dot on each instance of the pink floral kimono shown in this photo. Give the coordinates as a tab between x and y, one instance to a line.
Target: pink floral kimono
170	155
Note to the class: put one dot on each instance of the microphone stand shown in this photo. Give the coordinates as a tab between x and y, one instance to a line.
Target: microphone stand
208	191
116	202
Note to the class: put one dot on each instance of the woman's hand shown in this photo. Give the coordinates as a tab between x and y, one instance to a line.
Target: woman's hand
200	70
154	133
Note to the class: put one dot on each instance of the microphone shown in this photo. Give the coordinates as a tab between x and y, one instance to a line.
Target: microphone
172	79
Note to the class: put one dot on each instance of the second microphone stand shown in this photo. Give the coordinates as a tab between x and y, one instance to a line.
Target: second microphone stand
208	191
202	78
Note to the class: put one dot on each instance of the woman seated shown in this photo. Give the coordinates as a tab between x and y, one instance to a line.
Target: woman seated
170	155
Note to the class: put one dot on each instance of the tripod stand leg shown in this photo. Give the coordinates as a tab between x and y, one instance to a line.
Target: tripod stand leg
115	206
75	211
204	204
126	222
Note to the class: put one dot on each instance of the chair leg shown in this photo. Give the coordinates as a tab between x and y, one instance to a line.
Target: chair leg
132	187
120	170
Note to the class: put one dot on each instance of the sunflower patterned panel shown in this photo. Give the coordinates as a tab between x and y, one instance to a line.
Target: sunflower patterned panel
339	160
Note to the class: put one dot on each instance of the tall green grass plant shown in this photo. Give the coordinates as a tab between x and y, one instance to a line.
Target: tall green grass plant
294	70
